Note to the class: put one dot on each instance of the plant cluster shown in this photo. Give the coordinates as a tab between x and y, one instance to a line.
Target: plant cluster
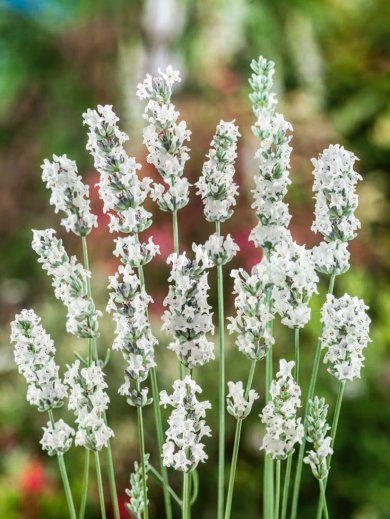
281	284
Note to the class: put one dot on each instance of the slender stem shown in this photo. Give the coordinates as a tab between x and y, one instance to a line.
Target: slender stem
92	352
141	440
65	481
333	433
287	477
64	476
158	477
84	491
111	480
286	487
268	481
277	490
159	427
297	362
186	496
195	480
313	380
221	378
236	446
175	231
100	486
323	499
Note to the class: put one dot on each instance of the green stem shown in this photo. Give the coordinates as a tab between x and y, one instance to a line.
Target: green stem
287	477
92	352
84	491
268	481
236	445
286	487
277	490
159	427
141	440
333	433
175	232
313	380
297	361
186	496
221	378
323	499
195	481
100	485
111	480
64	476
159	478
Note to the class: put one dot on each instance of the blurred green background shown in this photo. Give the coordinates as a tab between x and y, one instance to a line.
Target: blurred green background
333	77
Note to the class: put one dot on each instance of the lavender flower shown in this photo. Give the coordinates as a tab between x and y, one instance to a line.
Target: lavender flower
215	185
57	438
253	314
133	253
238	405
261	81
220	249
89	400
69	194
34	357
183	449
70	282
294	281
331	258
122	192
273	158
188	318
165	139
136	492
345	334
317	429
134	338
283	428
334	186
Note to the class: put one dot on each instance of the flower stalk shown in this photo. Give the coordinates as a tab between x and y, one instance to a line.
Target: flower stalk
236	446
92	352
64	476
310	395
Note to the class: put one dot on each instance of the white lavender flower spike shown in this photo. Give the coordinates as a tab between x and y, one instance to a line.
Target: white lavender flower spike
122	192
215	185
165	139
331	258
261	81
188	318
336	200
128	303
283	428
252	314
69	279
238	405
57	439
345	335
133	253
89	400
183	449
273	158
69	194
136	491
34	357
317	428
221	249
294	281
